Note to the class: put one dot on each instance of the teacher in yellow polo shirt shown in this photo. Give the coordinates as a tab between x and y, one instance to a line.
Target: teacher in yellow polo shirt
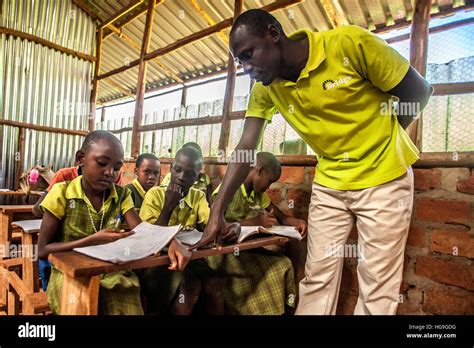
335	89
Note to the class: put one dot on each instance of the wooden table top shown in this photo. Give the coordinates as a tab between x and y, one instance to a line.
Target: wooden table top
16	208
75	264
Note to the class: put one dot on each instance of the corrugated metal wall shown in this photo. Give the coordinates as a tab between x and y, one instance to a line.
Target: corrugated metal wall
42	86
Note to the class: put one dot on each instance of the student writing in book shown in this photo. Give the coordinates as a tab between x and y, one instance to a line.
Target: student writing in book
147	170
203	182
179	203
83	212
257	281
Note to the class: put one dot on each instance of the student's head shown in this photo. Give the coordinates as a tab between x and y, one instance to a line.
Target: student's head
193	145
266	172
255	42
186	167
147	169
100	159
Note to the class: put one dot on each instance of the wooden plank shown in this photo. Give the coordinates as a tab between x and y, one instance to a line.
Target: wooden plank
35	303
234	115
49	44
225	24
78	265
42	128
418	54
16	209
130	19
120	13
453	88
79	296
95	81
19	162
141	81
229	90
5	231
30	268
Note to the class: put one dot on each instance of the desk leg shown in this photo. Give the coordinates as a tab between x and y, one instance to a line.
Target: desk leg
31	273
5	233
80	296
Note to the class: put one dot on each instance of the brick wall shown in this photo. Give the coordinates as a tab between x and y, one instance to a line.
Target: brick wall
438	273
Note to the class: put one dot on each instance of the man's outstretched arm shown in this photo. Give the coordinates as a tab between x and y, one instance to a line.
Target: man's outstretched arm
235	175
414	92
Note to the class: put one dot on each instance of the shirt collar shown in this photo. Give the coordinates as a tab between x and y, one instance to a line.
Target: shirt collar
249	198
139	187
316	53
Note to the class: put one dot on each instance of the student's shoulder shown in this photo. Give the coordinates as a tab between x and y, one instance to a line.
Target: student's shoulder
156	191
196	194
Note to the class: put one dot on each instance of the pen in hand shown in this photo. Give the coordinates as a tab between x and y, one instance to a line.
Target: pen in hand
117	222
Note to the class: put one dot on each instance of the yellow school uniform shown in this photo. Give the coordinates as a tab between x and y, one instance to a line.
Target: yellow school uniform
119	291
338	106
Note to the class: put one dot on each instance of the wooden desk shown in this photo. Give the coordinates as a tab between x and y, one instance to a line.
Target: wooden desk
29	240
80	287
8	214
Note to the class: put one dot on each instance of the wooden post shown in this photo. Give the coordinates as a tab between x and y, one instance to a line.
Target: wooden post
137	118
95	81
19	156
229	91
419	53
102	114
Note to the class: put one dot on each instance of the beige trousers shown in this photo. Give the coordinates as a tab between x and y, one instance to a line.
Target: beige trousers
382	216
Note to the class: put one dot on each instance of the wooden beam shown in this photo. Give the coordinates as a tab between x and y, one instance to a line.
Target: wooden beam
229	91
209	21
453	88
235	115
406	23
42	128
127	21
46	43
418	54
334	12
85	8
95	81
120	13
427	160
19	160
437	29
227	23
142	68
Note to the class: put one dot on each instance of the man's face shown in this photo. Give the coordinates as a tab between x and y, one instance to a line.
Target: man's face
101	164
148	173
259	56
184	172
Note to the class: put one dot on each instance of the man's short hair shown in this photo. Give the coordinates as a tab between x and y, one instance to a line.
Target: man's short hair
256	21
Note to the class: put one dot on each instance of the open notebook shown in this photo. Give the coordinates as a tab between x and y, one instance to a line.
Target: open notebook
193	236
148	240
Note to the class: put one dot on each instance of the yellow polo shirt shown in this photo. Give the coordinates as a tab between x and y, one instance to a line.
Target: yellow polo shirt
339	107
193	210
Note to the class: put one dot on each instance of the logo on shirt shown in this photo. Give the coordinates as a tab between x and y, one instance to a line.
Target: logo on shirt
328	84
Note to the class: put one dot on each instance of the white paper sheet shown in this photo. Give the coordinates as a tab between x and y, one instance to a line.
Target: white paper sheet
285	231
189	237
148	240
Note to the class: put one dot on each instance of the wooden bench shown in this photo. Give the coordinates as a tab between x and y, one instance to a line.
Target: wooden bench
16	298
80	286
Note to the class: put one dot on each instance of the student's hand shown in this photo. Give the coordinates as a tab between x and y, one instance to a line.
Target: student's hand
174	193
301	226
267	219
233	232
107	235
179	256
